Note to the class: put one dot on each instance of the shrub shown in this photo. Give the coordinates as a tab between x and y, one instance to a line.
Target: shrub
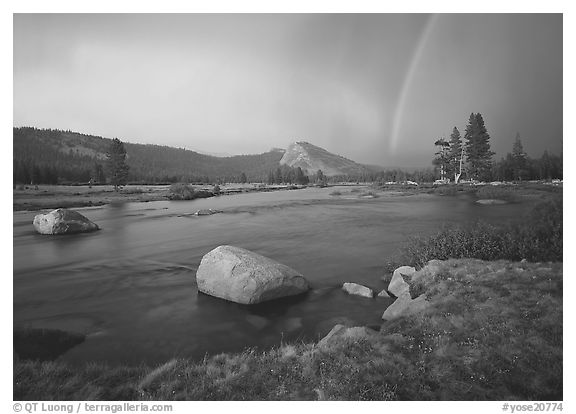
537	237
181	191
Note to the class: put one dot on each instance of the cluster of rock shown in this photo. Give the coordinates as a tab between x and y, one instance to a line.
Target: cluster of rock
245	277
404	280
399	287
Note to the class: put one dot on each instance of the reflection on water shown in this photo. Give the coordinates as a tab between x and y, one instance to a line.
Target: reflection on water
131	286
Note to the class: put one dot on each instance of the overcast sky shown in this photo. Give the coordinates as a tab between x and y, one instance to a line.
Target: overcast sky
376	88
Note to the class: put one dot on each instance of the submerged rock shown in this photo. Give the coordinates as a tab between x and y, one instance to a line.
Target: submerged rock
44	344
258	322
245	277
341	333
356	289
291	325
63	221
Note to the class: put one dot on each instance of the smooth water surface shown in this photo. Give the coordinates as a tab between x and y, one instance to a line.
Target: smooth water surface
131	286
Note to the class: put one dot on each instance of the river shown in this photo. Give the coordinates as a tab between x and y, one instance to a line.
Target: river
131	286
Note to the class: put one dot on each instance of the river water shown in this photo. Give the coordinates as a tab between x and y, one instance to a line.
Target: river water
131	286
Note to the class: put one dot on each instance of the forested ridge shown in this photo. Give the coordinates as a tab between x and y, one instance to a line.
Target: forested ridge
60	157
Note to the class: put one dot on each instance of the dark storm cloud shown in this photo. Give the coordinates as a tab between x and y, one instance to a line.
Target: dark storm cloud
246	83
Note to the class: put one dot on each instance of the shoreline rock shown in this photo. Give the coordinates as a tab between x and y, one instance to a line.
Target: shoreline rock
405	306
398	286
403	279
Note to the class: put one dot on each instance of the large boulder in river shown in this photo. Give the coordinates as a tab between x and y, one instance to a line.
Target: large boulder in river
63	221
242	276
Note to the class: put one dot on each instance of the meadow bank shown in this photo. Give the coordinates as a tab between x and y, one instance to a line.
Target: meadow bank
32	198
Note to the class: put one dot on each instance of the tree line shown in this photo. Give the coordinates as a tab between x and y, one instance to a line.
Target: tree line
472	158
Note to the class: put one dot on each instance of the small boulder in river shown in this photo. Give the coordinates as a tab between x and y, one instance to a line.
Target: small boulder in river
491	202
63	221
356	289
383	294
245	277
207	212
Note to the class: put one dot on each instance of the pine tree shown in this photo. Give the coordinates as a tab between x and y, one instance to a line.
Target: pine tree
519	159
545	166
455	154
243	178
278	176
478	154
321	178
441	156
300	177
117	167
98	176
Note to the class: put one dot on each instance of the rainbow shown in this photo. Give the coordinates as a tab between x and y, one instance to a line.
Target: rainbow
408	80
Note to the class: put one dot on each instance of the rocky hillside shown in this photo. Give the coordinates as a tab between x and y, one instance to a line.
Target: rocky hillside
312	158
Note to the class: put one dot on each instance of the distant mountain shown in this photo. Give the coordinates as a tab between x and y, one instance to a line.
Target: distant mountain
312	158
55	156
